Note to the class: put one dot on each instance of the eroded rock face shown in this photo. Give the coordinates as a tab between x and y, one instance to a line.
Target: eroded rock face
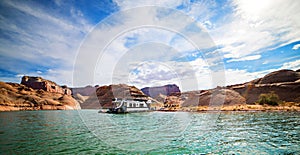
20	97
280	76
287	91
46	85
164	90
284	83
214	97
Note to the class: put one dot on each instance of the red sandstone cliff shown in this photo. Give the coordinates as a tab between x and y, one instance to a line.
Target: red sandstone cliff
20	97
284	83
41	94
43	84
214	97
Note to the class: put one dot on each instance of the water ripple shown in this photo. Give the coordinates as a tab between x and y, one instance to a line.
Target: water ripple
88	132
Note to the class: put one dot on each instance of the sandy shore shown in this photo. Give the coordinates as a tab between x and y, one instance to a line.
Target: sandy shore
43	107
286	107
244	108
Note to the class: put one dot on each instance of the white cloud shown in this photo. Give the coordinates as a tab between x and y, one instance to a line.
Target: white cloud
265	62
202	11
242	37
60	76
236	76
124	5
246	58
239	76
257	26
157	35
295	47
254	27
65	25
42	37
187	75
293	65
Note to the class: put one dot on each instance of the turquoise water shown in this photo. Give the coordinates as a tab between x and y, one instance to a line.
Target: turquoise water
89	132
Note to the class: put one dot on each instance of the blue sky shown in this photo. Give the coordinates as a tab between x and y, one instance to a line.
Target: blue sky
236	41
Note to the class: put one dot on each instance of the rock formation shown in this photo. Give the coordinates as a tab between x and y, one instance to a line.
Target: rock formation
104	95
289	92
172	102
20	97
280	76
161	98
35	93
214	97
163	90
46	85
284	83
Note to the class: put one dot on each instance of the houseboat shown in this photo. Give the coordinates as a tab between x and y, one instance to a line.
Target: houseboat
129	105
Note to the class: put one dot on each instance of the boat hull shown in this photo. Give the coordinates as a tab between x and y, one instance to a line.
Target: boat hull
128	110
121	106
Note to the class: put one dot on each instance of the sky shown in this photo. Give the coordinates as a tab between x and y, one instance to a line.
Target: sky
194	44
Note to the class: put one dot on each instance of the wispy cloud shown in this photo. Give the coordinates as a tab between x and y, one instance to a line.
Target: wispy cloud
295	47
40	37
140	26
294	65
246	58
239	36
124	5
168	45
257	26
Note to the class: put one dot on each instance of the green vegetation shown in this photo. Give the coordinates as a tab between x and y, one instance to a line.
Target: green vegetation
269	99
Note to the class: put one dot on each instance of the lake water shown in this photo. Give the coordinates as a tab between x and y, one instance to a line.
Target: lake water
89	132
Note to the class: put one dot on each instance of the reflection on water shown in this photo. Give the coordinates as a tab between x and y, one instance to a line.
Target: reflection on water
86	131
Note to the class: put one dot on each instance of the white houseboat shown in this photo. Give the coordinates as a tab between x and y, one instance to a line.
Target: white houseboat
129	105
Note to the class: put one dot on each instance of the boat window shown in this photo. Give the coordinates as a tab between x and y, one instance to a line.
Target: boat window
133	104
130	104
141	105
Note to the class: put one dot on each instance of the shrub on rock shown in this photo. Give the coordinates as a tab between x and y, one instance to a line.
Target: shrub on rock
269	99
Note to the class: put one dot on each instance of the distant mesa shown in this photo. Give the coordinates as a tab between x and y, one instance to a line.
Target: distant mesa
84	91
161	90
